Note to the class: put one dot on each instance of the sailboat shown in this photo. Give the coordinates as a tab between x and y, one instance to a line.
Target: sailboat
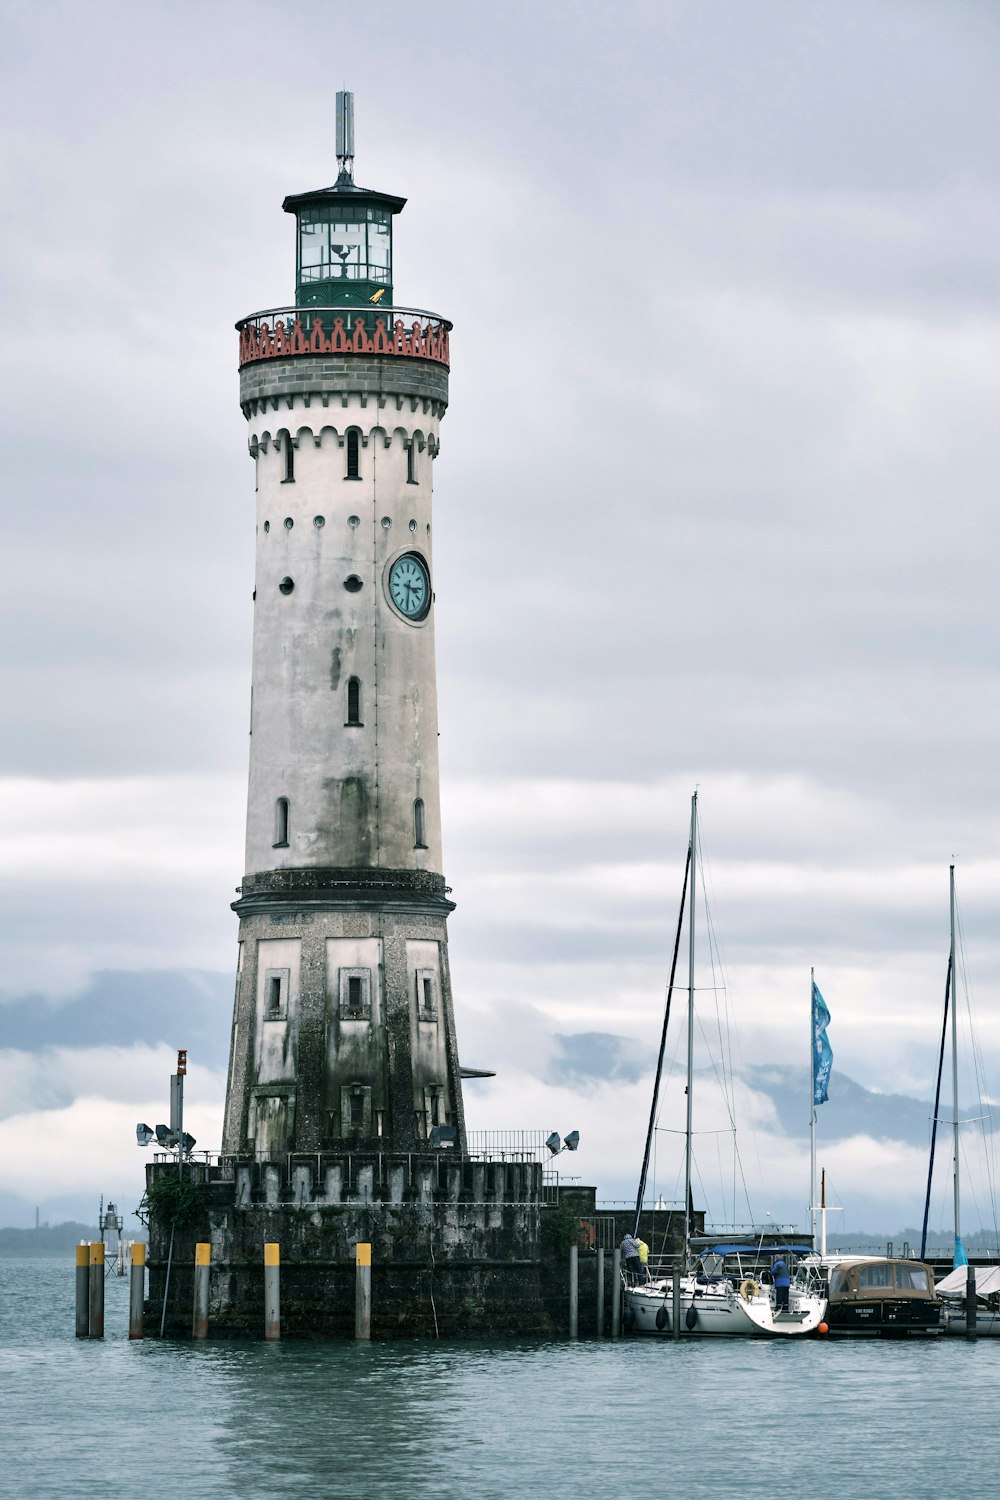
727	1290
965	1286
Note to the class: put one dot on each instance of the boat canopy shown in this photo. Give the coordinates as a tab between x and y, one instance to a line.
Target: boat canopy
987	1280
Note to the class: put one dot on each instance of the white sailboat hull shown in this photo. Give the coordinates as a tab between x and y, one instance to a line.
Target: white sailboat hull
723	1310
953	1322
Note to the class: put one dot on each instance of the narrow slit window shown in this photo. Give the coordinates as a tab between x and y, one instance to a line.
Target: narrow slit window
355	992
357	1109
276	994
281	823
354	700
419	839
288	453
411	464
353	454
428	989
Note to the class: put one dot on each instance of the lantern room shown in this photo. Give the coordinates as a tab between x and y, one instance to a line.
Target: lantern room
343	240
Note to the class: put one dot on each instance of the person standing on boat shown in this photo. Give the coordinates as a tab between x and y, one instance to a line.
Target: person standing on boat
631	1257
782	1281
643	1259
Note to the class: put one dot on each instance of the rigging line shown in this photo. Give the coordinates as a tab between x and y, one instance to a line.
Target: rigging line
737	1155
979	1071
937	1104
663	1041
733	1035
716	950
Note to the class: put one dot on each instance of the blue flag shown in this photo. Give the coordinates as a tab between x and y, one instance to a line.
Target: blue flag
961	1259
822	1051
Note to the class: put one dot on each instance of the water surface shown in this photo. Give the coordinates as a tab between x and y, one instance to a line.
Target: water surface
545	1420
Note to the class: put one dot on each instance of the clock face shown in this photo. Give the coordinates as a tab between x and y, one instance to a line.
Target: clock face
410	586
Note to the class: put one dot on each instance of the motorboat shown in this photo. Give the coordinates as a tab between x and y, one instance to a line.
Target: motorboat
878	1295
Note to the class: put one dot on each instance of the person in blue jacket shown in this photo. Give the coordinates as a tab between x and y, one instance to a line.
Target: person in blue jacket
782	1281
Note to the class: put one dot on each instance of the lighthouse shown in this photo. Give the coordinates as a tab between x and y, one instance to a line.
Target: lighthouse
343	1035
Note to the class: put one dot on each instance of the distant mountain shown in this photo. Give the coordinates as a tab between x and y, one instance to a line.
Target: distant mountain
589	1057
583	1059
850	1110
183	1008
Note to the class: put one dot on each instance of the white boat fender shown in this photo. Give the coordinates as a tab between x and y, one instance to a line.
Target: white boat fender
662	1318
748	1289
692	1316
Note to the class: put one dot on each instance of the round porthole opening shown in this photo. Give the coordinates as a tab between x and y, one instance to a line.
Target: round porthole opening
319	521
267	527
289	523
286	585
353	584
354	520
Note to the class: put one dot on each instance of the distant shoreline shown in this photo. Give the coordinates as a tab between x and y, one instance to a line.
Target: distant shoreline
50	1241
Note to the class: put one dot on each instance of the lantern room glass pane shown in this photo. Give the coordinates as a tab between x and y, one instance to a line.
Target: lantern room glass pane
378	247
345	242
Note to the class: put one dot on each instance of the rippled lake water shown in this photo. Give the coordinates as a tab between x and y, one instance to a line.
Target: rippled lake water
744	1418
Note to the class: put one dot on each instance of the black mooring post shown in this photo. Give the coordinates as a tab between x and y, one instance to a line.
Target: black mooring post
970	1302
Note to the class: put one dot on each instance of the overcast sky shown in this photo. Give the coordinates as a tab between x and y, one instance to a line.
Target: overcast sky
715	505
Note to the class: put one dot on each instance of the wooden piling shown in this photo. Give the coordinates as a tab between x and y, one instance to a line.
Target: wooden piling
96	1318
574	1291
616	1294
83	1290
272	1291
137	1290
600	1293
970	1301
675	1298
202	1272
363	1291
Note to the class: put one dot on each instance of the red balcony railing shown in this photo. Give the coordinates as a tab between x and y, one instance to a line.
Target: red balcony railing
289	332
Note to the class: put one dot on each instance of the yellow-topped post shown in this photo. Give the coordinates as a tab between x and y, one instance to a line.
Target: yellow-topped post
83	1290
363	1291
272	1291
202	1272
137	1289
96	1319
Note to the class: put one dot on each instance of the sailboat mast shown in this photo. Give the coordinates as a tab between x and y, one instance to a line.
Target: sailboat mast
690	1033
954	1051
812	1104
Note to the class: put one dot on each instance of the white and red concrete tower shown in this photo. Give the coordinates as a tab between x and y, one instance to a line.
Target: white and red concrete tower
343	1028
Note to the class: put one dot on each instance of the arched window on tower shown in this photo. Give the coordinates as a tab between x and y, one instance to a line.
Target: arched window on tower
353	454
354	700
419	840
288	453
411	464
281	823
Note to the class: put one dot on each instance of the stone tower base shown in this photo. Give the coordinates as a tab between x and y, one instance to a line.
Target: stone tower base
455	1244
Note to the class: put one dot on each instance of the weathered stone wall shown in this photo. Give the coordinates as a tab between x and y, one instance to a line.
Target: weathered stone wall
455	1253
324	377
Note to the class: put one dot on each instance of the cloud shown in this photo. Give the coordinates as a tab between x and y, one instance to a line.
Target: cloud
714	505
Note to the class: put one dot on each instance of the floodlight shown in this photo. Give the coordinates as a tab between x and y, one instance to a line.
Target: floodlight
166	1136
553	1143
143	1135
187	1141
572	1140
